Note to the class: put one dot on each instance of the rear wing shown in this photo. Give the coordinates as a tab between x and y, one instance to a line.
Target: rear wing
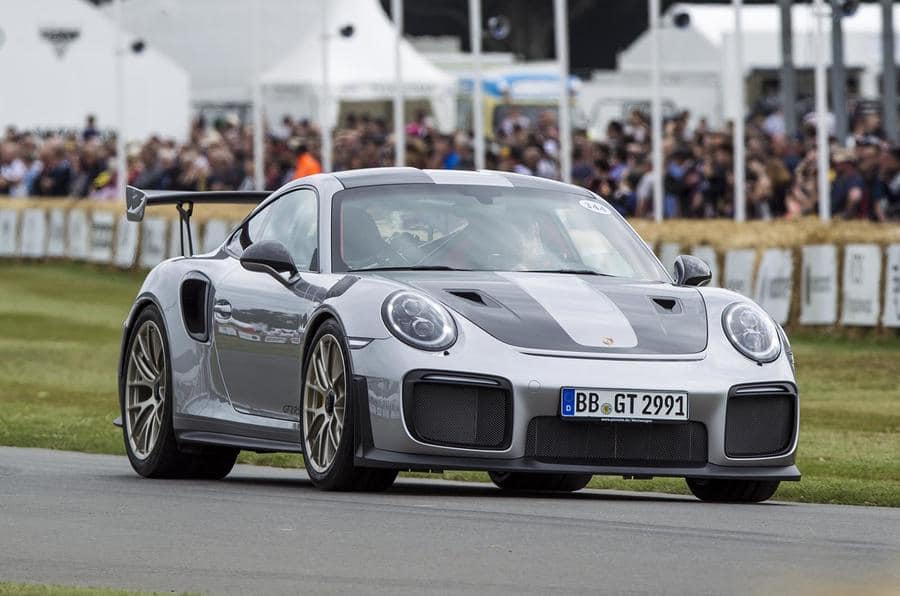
137	200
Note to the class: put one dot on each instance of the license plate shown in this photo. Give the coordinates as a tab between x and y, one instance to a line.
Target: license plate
623	404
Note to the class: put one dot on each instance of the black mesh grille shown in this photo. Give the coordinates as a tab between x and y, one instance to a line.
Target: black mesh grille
458	415
616	443
759	421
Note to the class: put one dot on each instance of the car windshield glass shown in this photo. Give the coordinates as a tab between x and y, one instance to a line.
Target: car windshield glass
484	228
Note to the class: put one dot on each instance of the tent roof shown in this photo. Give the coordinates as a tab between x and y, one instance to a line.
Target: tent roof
361	67
58	58
717	21
213	39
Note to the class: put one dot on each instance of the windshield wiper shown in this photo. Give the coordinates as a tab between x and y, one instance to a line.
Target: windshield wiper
572	271
411	268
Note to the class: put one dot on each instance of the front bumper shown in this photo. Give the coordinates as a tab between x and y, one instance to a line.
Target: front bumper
535	380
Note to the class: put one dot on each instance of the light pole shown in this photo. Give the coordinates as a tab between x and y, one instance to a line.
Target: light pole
740	188
399	129
325	110
477	99
821	116
838	72
561	22
259	176
121	167
656	111
888	72
788	80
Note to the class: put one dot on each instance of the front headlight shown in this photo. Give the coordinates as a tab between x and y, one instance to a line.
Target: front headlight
419	321
751	331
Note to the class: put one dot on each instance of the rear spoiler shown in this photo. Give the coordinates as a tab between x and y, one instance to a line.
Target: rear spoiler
137	200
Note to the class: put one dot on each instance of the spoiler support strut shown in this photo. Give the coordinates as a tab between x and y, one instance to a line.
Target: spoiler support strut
184	214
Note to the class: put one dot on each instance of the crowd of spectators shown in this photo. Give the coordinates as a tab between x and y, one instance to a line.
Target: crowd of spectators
698	181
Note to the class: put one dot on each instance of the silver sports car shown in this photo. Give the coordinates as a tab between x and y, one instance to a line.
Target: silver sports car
401	319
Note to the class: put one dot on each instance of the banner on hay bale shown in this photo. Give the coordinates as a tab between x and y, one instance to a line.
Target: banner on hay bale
667	253
127	233
739	270
9	223
56	233
862	276
819	285
153	241
891	317
102	236
214	234
33	239
707	254
79	235
773	283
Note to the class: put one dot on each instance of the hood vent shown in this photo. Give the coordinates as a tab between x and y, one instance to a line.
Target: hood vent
666	305
475	297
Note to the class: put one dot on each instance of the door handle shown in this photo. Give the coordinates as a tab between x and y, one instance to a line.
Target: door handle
222	308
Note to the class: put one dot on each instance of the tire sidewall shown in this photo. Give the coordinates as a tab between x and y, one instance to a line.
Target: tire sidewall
342	465
147	466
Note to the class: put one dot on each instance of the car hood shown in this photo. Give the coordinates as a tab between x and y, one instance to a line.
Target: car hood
573	313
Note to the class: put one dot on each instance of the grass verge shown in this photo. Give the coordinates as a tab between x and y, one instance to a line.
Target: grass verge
60	328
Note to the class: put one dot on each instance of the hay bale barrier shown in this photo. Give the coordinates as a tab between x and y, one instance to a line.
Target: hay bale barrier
784	265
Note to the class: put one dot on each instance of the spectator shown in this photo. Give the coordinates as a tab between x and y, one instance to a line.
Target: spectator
90	128
307	165
887	206
12	169
847	196
56	176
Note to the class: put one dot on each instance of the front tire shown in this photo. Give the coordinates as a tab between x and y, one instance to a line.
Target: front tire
145	400
525	481
327	412
715	490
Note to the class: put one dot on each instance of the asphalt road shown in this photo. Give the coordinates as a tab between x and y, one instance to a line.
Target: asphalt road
82	519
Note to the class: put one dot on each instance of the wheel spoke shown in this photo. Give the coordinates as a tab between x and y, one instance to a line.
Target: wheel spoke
143	341
141	405
141	368
321	371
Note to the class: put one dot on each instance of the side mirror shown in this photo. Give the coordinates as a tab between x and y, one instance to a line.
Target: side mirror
691	271
269	256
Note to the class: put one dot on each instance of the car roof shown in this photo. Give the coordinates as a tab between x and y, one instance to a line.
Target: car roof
407	175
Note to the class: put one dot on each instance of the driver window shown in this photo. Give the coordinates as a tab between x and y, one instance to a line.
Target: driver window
292	220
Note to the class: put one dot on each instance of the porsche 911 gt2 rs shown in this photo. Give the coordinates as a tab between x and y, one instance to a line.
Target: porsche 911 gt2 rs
401	319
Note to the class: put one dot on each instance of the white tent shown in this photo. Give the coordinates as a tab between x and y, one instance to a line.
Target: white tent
58	65
707	44
698	61
213	39
361	66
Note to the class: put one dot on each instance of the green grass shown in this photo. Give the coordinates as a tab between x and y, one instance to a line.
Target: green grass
11	589
60	328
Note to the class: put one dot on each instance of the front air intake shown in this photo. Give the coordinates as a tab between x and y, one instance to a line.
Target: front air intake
458	410
605	443
760	420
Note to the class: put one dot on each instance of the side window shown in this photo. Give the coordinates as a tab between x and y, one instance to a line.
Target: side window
293	221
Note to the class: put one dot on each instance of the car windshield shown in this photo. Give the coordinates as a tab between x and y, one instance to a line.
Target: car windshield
485	228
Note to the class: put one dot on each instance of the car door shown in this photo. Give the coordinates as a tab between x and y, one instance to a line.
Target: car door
259	319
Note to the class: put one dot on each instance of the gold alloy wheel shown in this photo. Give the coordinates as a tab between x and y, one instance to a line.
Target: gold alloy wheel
145	390
324	403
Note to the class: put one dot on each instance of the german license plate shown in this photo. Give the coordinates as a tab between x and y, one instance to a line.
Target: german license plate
623	404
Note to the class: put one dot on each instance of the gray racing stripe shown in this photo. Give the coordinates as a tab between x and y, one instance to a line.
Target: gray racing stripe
586	314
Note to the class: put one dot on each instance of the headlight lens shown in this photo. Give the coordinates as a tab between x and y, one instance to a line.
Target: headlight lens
751	331
419	321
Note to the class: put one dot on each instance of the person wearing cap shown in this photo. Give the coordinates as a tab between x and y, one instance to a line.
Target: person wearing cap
847	197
